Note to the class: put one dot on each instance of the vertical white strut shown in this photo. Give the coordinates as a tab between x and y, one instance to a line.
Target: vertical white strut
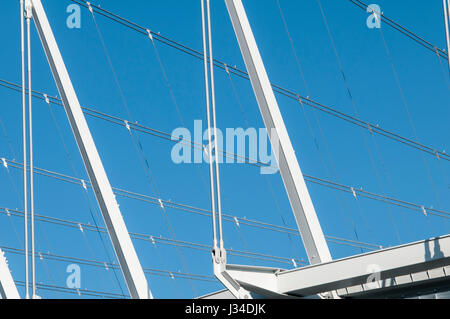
24	141
123	246
446	4
28	15
302	206
208	120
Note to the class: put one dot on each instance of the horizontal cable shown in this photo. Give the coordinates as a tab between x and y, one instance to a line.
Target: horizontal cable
288	93
316	180
200	211
420	40
109	265
169	137
156	239
85	292
135	126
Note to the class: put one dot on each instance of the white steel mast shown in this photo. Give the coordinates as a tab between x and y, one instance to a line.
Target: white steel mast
301	203
117	230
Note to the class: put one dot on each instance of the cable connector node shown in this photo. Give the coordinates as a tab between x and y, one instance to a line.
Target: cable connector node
46	98
150	35
5	164
90	7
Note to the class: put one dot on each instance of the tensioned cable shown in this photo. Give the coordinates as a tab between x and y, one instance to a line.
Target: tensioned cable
140	150
285	92
138	127
154	200
9	215
420	40
203	212
85	196
330	184
121	123
92	293
166	241
266	178
406	107
411	122
340	201
372	128
195	210
108	265
19	200
355	110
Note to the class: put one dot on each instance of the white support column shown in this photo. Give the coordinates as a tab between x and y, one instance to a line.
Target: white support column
117	230
8	289
446	5
302	206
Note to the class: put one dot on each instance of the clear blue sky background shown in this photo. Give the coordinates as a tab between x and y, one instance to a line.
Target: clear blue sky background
397	170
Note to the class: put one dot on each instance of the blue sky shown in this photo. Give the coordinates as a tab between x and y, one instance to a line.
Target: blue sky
343	153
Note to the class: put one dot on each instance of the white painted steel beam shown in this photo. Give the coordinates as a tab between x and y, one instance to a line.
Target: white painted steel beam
302	206
410	260
399	272
117	230
8	289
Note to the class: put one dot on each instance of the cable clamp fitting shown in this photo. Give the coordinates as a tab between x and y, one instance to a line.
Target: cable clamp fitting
127	125
354	193
150	35
424	211
83	183
90	7
226	68
236	221
294	263
46	98
5	164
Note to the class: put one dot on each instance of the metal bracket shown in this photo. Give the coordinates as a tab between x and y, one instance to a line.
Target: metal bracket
221	273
